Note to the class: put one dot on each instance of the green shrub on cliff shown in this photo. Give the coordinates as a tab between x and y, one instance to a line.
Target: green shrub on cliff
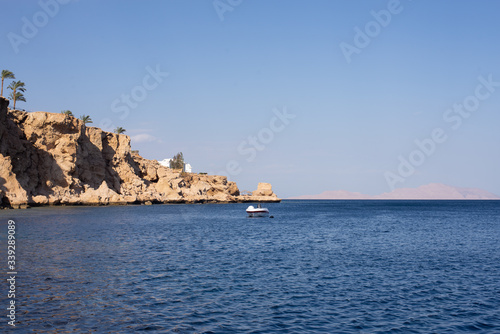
119	130
177	161
86	119
67	112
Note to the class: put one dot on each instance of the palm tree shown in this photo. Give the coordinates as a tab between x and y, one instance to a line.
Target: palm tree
16	86
86	119
119	130
18	97
6	74
67	112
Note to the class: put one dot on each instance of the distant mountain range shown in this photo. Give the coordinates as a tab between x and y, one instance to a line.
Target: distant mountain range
429	191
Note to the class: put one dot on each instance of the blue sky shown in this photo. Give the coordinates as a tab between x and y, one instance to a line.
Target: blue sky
349	122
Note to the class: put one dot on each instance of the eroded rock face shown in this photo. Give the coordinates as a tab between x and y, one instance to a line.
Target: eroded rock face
264	189
264	192
48	158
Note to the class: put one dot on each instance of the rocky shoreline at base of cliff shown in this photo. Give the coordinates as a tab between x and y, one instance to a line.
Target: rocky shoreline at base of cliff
55	159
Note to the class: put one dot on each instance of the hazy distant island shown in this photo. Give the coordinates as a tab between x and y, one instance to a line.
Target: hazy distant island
433	191
56	159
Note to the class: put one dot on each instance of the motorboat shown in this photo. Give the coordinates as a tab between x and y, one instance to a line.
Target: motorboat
259	211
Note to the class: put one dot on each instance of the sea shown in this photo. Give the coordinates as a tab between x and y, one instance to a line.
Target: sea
317	266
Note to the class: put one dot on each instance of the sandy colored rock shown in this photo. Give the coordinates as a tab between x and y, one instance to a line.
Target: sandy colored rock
264	190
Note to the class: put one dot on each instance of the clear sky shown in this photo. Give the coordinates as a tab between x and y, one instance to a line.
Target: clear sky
307	95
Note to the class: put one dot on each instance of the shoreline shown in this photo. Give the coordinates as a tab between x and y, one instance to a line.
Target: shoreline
251	199
392	199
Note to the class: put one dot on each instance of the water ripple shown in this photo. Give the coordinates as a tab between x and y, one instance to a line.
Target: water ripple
320	266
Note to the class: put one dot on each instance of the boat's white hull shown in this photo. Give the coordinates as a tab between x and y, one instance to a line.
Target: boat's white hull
257	212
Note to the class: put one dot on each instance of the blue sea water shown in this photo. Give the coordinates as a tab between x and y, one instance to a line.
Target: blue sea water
317	267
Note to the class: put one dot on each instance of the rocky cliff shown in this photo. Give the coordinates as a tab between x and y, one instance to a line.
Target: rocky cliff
51	159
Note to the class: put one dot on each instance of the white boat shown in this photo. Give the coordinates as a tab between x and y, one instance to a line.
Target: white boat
259	211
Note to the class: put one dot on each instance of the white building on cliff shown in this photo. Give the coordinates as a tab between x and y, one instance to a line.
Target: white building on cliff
166	162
